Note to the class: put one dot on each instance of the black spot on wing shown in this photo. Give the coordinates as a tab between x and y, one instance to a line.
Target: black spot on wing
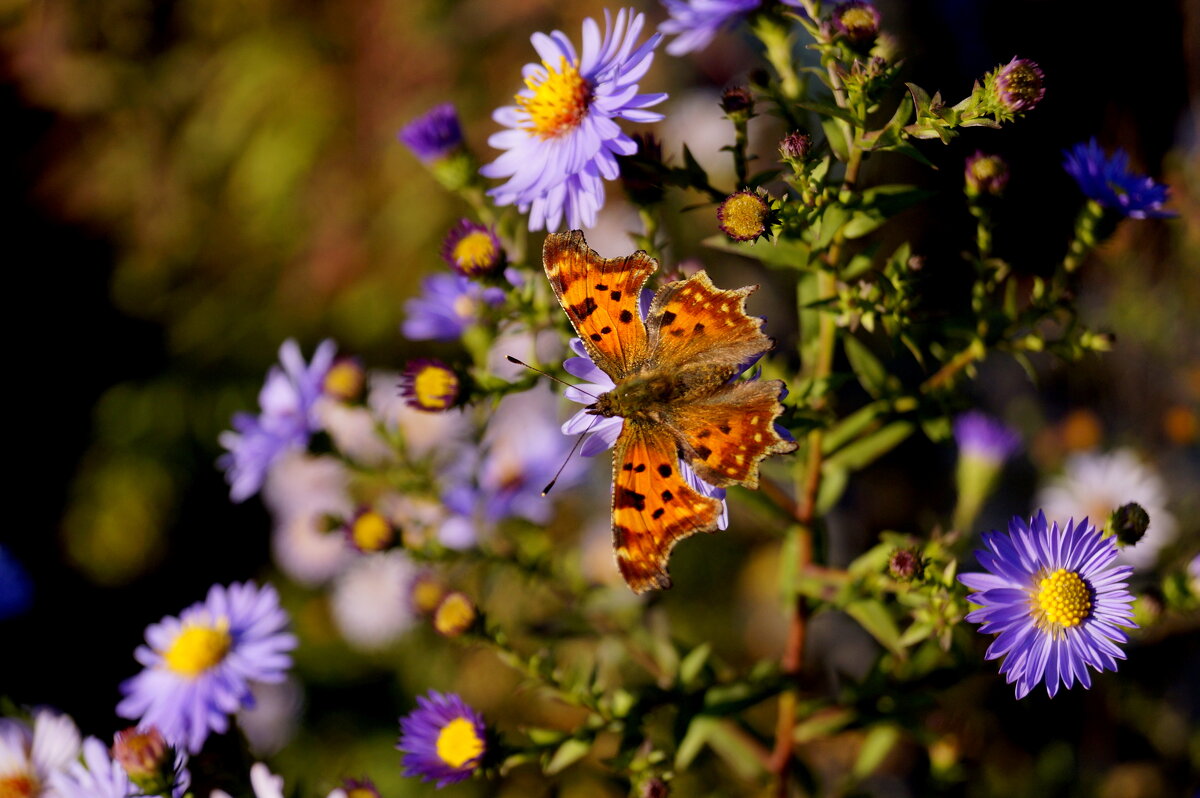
626	316
703	452
667	495
616	296
667	318
584	309
665	470
625	497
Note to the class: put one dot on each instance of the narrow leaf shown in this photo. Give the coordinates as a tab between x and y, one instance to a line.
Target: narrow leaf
874	617
567	754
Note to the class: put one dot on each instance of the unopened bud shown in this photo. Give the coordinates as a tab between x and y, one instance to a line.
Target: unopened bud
737	101
1129	523
455	615
146	758
906	565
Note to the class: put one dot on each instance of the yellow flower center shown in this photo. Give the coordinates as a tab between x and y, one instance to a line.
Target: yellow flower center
344	380
474	252
464	307
986	168
743	216
21	785
458	744
198	648
559	101
454	615
427	594
372	532
858	20
1064	598
361	792
435	387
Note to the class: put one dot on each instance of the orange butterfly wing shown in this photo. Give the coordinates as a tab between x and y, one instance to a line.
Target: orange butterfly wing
653	508
726	435
693	320
600	297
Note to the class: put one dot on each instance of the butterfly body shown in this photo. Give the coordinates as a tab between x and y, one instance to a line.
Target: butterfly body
674	386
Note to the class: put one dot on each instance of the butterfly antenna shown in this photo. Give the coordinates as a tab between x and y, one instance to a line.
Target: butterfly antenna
512	359
570	454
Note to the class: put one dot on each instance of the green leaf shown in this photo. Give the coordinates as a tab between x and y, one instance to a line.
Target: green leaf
831	221
822	724
693	663
567	754
827	110
694	740
915	633
866	450
875	748
869	370
873	616
733	748
937	429
835	135
834	480
782	252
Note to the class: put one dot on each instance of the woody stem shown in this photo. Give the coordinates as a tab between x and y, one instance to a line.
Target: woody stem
792	660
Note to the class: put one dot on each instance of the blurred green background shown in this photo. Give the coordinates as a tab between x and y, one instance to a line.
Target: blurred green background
188	183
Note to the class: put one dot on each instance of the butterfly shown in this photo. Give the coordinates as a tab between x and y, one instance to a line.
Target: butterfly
675	389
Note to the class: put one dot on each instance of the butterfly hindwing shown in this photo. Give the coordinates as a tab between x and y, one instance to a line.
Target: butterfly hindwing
727	434
653	507
600	297
692	320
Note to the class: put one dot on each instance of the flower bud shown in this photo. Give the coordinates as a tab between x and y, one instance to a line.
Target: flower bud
426	592
434	135
985	174
655	788
429	384
795	147
906	565
360	788
1019	85
738	103
370	532
454	615
858	21
472	249
744	216
1129	523
146	758
345	379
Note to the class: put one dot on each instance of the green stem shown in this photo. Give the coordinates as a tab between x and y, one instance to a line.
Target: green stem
778	41
1084	240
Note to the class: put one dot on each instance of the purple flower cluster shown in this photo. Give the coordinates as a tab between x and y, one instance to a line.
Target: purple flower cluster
287	421
1109	181
694	23
448	305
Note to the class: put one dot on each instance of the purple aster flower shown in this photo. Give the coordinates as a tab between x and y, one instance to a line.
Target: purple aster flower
1055	601
198	667
288	399
858	21
1109	182
562	140
429	384
448	305
100	776
986	438
521	452
694	23
16	588
434	135
472	249
443	739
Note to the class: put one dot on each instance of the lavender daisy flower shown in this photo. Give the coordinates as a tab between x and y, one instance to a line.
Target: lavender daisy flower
433	135
1019	85
288	402
100	776
1054	600
443	740
603	432
562	141
694	23
448	305
198	666
1110	182
30	757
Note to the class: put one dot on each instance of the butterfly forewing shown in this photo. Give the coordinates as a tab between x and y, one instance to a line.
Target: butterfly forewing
653	507
600	297
726	435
